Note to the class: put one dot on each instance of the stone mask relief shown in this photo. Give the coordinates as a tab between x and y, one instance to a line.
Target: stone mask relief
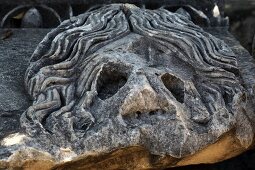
121	74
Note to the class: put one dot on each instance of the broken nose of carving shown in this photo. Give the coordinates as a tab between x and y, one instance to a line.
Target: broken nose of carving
140	99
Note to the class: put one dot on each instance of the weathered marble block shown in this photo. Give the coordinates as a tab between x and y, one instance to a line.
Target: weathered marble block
122	87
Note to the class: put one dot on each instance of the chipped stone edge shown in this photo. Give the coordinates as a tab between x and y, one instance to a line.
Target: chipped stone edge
227	146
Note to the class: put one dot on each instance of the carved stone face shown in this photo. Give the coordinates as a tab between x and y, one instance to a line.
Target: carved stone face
124	76
145	83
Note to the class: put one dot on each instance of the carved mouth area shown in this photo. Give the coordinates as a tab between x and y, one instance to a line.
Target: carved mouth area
149	117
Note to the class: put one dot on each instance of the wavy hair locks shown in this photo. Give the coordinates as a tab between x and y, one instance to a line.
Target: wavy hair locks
55	78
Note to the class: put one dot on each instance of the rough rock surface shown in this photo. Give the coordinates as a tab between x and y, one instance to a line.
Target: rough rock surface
124	87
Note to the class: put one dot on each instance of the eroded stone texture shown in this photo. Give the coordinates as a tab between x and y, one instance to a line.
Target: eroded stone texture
122	87
14	58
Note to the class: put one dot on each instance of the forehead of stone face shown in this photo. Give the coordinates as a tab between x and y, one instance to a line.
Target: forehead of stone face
146	52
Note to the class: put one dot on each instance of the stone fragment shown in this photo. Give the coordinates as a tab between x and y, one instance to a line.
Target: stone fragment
124	87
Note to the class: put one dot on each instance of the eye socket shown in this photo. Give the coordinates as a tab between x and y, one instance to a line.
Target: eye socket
174	85
110	81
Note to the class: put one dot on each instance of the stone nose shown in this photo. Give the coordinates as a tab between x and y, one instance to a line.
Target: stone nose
165	92
141	98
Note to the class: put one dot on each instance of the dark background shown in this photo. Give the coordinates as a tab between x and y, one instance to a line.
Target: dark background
241	14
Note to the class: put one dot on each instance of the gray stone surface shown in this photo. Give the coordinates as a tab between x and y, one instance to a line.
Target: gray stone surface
138	86
16	51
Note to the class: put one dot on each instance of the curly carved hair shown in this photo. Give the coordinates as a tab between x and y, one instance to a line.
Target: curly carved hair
61	90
